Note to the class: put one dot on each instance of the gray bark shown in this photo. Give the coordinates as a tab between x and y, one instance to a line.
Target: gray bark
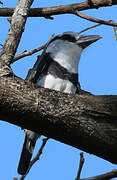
63	9
86	122
16	29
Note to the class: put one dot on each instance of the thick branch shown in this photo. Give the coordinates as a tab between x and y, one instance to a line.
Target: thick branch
85	122
63	9
16	29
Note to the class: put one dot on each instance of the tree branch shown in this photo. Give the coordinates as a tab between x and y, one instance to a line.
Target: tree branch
80	166
90	27
63	9
19	56
25	53
77	120
110	22
106	176
36	158
16	29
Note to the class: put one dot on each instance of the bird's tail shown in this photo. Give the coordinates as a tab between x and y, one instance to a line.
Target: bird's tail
27	151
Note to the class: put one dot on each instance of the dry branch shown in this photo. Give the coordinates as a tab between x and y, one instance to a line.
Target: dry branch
91	27
36	158
110	22
106	176
16	29
86	122
62	9
25	53
80	166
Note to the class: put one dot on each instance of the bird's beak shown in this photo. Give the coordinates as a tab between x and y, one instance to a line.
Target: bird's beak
85	41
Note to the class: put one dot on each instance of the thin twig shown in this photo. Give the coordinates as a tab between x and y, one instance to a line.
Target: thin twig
47	45
80	166
19	56
106	176
92	27
25	53
94	19
36	158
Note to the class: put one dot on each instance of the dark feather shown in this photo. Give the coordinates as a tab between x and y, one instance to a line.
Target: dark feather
26	155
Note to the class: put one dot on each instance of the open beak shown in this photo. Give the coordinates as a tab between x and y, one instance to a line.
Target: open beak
85	41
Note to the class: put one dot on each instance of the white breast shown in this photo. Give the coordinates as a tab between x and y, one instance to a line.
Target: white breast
57	84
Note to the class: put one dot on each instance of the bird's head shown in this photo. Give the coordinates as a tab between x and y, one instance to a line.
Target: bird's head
67	47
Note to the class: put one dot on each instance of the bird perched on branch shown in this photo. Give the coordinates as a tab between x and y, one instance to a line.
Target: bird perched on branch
57	69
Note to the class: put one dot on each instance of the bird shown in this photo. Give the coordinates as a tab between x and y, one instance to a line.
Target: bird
56	69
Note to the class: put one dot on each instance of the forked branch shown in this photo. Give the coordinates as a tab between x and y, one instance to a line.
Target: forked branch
62	9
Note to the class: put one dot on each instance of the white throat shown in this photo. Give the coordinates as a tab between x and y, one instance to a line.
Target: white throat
67	54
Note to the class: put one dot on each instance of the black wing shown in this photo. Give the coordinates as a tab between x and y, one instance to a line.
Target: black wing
40	68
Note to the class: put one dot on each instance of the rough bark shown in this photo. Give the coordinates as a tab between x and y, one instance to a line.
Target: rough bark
63	9
85	122
16	29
